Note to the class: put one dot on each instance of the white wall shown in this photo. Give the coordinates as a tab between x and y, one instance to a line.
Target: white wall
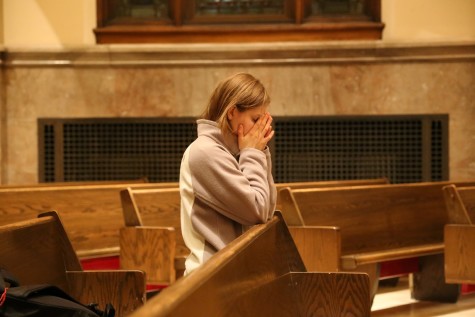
1	22
428	20
49	23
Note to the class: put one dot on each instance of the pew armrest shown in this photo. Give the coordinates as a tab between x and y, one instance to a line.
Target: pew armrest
319	247
125	290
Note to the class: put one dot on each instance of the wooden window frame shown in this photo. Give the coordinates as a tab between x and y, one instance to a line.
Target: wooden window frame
184	28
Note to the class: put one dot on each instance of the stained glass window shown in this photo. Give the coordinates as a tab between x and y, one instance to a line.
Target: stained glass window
142	9
332	7
240	7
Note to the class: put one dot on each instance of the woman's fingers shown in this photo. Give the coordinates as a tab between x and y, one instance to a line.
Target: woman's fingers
259	135
268	127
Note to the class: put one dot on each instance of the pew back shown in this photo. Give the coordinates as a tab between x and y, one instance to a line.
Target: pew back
285	201
92	214
377	217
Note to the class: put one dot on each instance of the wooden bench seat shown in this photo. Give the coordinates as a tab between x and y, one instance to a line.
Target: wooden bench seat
261	274
38	251
367	225
459	235
92	214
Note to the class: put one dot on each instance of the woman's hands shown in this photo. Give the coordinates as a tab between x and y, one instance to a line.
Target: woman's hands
259	135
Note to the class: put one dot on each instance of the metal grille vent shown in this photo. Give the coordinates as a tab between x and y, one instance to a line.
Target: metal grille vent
439	149
48	153
358	148
122	150
401	148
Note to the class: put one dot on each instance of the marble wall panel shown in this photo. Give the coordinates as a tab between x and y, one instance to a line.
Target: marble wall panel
99	86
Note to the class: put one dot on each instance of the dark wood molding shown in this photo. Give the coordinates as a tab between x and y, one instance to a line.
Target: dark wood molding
228	34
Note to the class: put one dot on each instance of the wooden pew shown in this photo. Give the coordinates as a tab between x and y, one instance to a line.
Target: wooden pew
357	228
147	208
92	214
459	235
38	251
261	274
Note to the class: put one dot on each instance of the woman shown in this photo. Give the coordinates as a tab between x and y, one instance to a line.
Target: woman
226	182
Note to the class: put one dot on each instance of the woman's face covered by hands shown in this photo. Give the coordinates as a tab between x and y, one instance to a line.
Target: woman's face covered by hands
252	127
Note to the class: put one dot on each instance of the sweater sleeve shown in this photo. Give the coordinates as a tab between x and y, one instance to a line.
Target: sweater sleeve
239	190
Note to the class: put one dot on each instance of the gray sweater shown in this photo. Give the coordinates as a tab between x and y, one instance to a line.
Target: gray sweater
222	191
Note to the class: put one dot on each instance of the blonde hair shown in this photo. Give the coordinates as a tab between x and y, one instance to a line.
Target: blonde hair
241	90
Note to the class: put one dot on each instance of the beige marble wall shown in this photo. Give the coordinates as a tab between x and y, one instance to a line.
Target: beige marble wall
303	79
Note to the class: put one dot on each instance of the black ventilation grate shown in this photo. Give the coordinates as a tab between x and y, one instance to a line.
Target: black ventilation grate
439	149
123	150
49	153
402	148
352	148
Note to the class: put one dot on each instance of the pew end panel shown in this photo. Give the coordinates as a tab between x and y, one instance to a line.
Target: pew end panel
150	249
459	253
318	246
333	294
126	287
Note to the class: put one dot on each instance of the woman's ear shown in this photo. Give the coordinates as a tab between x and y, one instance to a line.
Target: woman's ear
230	113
